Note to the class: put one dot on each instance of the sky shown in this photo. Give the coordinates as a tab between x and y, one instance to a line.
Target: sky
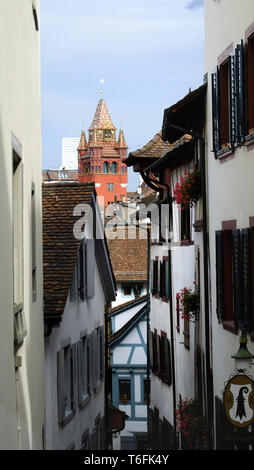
149	53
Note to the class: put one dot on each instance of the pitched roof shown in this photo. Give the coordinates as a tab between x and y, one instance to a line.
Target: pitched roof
82	142
102	119
129	257
60	248
130	304
59	175
155	148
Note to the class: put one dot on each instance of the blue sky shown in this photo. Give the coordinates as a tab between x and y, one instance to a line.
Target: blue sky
149	52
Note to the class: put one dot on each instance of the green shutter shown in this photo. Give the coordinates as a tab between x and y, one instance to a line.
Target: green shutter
158	340
246	278
60	385
216	111
166	345
166	274
237	275
219	274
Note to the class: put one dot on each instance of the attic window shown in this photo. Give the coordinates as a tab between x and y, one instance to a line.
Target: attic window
36	21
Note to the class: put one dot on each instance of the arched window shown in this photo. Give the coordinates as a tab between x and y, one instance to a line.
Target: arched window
113	168
105	167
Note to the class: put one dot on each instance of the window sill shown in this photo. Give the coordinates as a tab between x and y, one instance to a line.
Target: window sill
249	140
230	326
225	154
183	243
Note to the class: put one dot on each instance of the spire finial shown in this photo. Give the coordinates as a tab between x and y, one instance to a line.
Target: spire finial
101	90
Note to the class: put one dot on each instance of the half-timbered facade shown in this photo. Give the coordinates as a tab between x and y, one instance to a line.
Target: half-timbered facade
128	363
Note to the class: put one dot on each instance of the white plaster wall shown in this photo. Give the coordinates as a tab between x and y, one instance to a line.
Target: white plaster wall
230	185
86	315
122	318
20	114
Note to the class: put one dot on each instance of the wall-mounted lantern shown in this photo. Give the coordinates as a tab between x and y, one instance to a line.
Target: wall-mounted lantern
243	357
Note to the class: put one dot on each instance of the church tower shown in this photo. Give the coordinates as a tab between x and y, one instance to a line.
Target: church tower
100	158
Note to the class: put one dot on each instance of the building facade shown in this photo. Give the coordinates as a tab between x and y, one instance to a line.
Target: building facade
229	65
128	364
100	158
21	337
78	281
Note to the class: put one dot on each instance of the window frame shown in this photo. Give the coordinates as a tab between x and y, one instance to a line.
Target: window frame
124	401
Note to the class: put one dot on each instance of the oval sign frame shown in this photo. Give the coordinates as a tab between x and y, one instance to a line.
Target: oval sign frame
241	383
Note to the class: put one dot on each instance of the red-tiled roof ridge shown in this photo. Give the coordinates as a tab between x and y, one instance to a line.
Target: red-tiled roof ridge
60	247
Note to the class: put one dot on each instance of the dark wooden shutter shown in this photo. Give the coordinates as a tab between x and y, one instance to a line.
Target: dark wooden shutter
216	111
95	358
233	114
237	275
102	353
81	266
158	340
161	290
166	276
151	348
246	278
60	385
80	371
90	269
166	345
74	377
240	92
219	274
91	367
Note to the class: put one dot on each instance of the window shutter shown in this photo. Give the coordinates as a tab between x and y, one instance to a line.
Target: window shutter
151	348
74	376
90	269
102	353
80	371
166	345
158	341
240	92
246	319
161	289
95	359
216	111
236	239
233	114
219	275
166	275
90	349
60	385
81	271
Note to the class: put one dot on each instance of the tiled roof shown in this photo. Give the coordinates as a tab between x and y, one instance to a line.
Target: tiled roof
102	119
82	142
60	248
129	258
59	175
155	148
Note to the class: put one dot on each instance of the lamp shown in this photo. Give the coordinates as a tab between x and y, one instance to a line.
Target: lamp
243	357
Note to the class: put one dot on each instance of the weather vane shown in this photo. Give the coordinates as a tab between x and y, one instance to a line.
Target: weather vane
101	90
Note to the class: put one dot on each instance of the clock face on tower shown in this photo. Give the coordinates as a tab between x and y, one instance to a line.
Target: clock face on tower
107	134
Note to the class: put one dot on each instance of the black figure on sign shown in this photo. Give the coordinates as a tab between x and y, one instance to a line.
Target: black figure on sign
240	410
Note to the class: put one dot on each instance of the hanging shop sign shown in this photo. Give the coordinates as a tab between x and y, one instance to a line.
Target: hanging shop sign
239	400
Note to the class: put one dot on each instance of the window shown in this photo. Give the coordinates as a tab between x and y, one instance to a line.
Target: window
86	263
164	279
138	290
122	169
96	169
185	224
250	81
113	168
233	278
146	390
105	167
155	286
224	106
66	382
110	186
84	370
124	391
127	289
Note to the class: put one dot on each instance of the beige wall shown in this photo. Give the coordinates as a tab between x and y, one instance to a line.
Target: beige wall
20	115
230	183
